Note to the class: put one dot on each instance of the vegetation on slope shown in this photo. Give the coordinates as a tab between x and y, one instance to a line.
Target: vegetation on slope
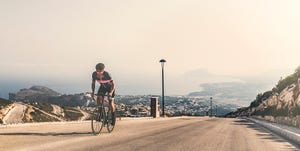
283	83
71	113
33	115
4	102
43	106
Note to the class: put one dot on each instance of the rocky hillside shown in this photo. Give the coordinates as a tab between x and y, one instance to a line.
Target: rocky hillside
42	104
282	100
19	112
41	94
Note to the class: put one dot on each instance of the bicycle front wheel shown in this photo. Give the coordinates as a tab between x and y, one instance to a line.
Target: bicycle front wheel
97	120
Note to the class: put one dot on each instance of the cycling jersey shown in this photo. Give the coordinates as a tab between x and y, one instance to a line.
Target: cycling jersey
106	83
105	79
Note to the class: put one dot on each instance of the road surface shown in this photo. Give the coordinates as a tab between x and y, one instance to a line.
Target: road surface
161	134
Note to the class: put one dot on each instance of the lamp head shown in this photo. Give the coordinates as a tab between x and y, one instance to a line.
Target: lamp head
162	61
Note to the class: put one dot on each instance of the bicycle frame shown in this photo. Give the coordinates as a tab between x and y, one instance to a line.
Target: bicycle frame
102	117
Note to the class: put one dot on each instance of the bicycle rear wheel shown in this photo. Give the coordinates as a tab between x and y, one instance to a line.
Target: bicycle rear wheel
111	120
97	120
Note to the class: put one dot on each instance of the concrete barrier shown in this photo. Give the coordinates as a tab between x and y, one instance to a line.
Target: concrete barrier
154	107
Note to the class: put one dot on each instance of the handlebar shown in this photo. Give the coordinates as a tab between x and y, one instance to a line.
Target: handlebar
93	97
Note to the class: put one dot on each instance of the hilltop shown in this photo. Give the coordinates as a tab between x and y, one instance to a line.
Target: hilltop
33	93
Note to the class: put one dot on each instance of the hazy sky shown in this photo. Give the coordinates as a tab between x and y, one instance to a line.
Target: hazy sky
57	43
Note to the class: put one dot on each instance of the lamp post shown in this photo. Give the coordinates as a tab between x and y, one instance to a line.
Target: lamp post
211	106
216	110
162	61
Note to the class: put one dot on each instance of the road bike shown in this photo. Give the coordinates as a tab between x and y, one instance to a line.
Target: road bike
102	116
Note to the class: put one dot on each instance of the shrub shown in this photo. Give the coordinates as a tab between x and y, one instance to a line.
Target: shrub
295	111
283	83
44	106
260	98
272	111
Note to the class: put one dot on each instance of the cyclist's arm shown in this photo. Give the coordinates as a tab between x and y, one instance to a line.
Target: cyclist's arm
93	87
93	82
112	87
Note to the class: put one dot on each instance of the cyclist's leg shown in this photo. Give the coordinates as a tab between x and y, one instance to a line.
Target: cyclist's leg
113	113
112	106
112	101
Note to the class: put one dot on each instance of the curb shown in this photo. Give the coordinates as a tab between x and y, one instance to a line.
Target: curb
280	130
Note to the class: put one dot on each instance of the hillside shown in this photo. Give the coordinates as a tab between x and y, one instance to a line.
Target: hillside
41	94
282	101
40	112
41	104
4	102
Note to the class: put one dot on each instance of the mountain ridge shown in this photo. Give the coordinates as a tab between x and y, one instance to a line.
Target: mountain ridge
33	93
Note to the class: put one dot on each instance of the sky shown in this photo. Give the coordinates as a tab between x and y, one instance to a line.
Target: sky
57	43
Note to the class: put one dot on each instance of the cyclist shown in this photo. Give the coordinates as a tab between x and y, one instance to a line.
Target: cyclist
107	85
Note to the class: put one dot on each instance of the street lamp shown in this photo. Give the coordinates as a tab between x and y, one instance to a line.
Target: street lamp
216	110
211	106
162	61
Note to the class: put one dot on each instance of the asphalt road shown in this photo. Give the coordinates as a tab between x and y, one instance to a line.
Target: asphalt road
162	134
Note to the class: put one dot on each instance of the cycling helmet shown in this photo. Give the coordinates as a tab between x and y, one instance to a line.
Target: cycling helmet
100	66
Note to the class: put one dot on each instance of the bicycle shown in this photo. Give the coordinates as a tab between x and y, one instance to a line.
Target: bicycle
101	117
